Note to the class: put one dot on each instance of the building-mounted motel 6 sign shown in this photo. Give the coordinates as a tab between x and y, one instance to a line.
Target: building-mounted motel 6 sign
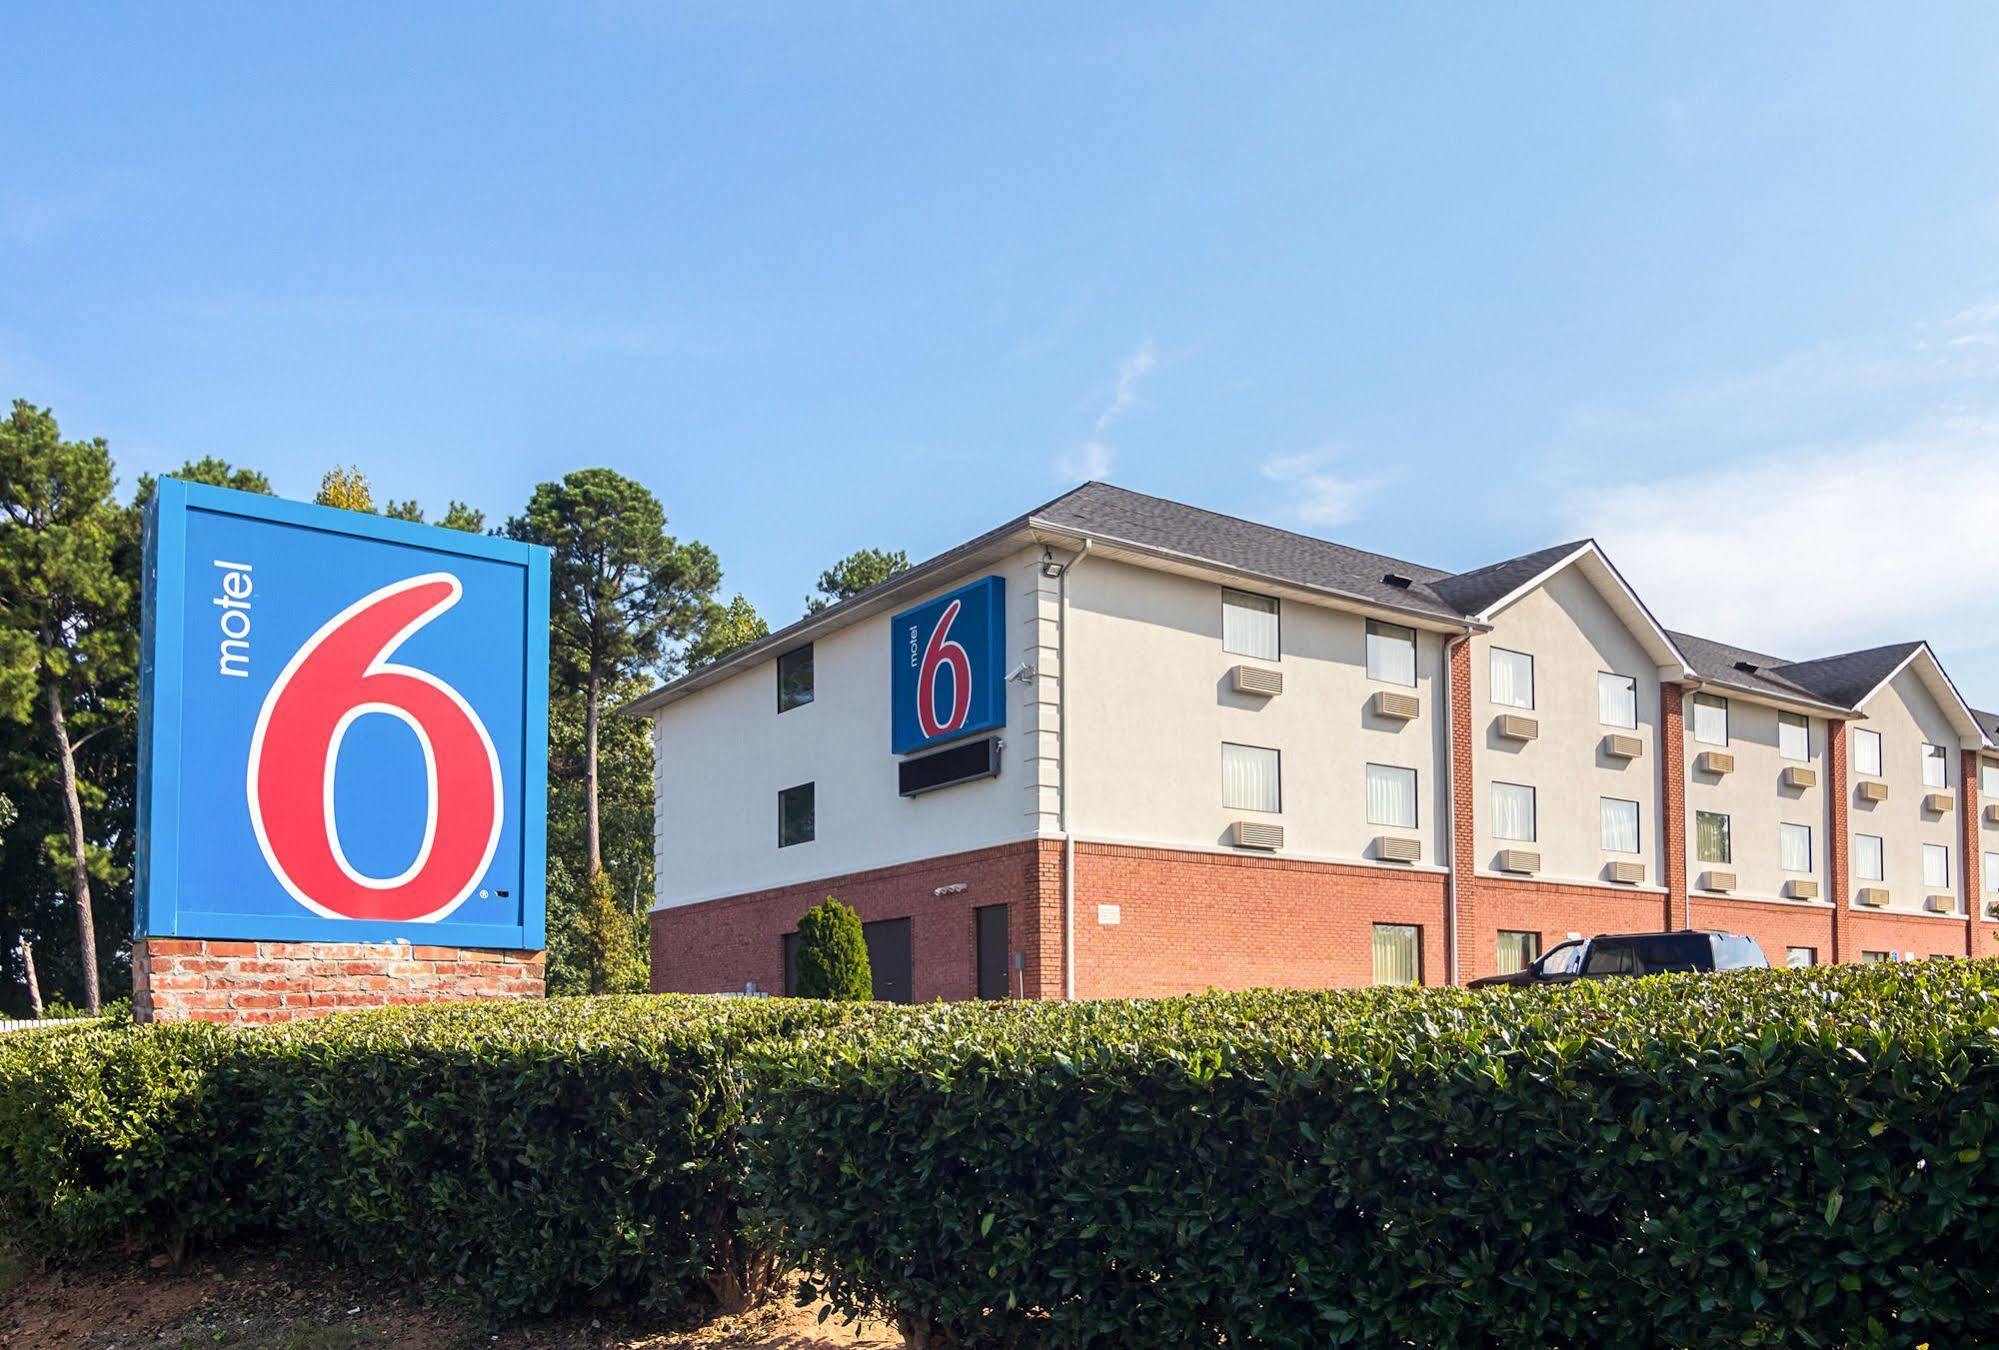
946	657
343	727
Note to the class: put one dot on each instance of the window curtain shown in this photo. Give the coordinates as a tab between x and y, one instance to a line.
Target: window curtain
1794	736
1513	812
1936	772
1867	857
1711	837
1992	871
1391	653
1397	950
1512	679
1249	778
1517	950
1620	826
1616	700
1249	625
1867	752
1710	720
1794	848
1988	781
1936	866
1391	796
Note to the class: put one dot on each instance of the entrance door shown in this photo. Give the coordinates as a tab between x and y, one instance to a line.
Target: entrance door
992	951
889	954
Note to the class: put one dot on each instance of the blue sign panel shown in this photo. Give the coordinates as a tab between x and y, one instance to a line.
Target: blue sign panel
945	662
343	726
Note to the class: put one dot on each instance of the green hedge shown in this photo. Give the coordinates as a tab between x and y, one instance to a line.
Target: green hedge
544	1153
1765	1158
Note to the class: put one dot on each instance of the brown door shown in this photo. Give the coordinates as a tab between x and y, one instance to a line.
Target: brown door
889	959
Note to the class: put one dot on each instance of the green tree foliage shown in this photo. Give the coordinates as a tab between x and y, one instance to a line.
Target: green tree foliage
737	624
459	516
67	636
624	595
587	952
833	954
857	572
347	489
210	470
404	510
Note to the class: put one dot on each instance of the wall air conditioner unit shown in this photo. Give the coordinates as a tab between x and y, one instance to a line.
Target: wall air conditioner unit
1398	848
1871	790
1256	680
1399	707
1940	904
1523	861
1514	727
1624	873
1716	762
1938	803
1619	746
1798	776
1718	881
1256	834
1801	890
1874	897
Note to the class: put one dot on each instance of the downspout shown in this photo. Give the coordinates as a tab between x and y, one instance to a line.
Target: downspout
1687	842
1062	768
1451	812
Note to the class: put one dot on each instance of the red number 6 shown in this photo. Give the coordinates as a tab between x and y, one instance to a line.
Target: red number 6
341	673
938	653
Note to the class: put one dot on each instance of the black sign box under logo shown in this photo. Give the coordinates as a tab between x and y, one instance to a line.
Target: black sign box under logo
959	764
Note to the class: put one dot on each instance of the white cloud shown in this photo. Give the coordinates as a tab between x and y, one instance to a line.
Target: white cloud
1095	457
1315	495
1817	550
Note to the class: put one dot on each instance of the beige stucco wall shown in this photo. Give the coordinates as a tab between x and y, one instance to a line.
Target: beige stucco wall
1907	716
1756	802
722	754
1572	634
1152	703
1988	832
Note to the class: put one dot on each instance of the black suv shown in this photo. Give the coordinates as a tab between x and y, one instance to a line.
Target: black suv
1635	954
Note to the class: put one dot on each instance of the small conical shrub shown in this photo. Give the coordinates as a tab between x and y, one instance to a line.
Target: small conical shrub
832	955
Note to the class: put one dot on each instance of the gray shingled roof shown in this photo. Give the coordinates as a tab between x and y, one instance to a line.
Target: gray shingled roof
1475	591
1851	676
1115	513
1721	663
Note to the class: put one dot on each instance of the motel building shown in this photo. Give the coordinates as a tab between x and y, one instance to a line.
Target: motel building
1120	746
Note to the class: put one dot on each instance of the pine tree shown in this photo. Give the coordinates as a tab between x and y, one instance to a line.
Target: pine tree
833	954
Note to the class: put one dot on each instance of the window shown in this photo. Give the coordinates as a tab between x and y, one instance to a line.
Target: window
1391	796
1988	780
794	678
1566	959
1398	953
1710	719
1711	841
1250	779
1512	678
1616	700
1936	770
1867	752
1801	958
1517	951
1936	866
1611	959
1992	871
1794	847
1876	958
1513	812
1620	825
1794	736
794	815
1867	865
1391	653
1249	625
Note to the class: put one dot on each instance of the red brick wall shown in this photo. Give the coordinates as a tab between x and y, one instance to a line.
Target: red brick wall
1972	870
719	946
1194	921
1673	800
1464	796
1909	934
209	980
1552	910
1774	926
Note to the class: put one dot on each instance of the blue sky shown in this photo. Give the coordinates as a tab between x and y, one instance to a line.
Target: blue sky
1719	287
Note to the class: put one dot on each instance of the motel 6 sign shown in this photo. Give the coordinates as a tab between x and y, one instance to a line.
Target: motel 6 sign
945	657
343	726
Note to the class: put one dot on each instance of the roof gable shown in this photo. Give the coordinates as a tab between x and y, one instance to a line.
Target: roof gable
1483	594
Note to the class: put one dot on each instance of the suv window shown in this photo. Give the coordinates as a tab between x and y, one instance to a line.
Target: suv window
1611	958
1658	955
1561	960
1735	952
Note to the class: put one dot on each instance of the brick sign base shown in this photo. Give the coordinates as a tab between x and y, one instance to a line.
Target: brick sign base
248	983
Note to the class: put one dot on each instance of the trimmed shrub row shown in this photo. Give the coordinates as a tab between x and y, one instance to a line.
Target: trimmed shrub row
1769	1158
1764	1158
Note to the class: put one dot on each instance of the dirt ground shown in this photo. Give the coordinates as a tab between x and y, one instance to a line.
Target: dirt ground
272	1302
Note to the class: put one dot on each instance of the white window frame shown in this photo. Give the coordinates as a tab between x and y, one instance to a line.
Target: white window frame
1232	599
1936	852
1415	934
1871	739
1714	703
1626	685
1533	835
1941	758
1791	961
1492	678
1798	722
1637	824
1880	858
1991	871
1387	633
1786	829
1415	788
1277	777
1988	780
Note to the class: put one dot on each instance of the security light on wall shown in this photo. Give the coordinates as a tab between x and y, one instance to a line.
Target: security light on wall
1022	673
